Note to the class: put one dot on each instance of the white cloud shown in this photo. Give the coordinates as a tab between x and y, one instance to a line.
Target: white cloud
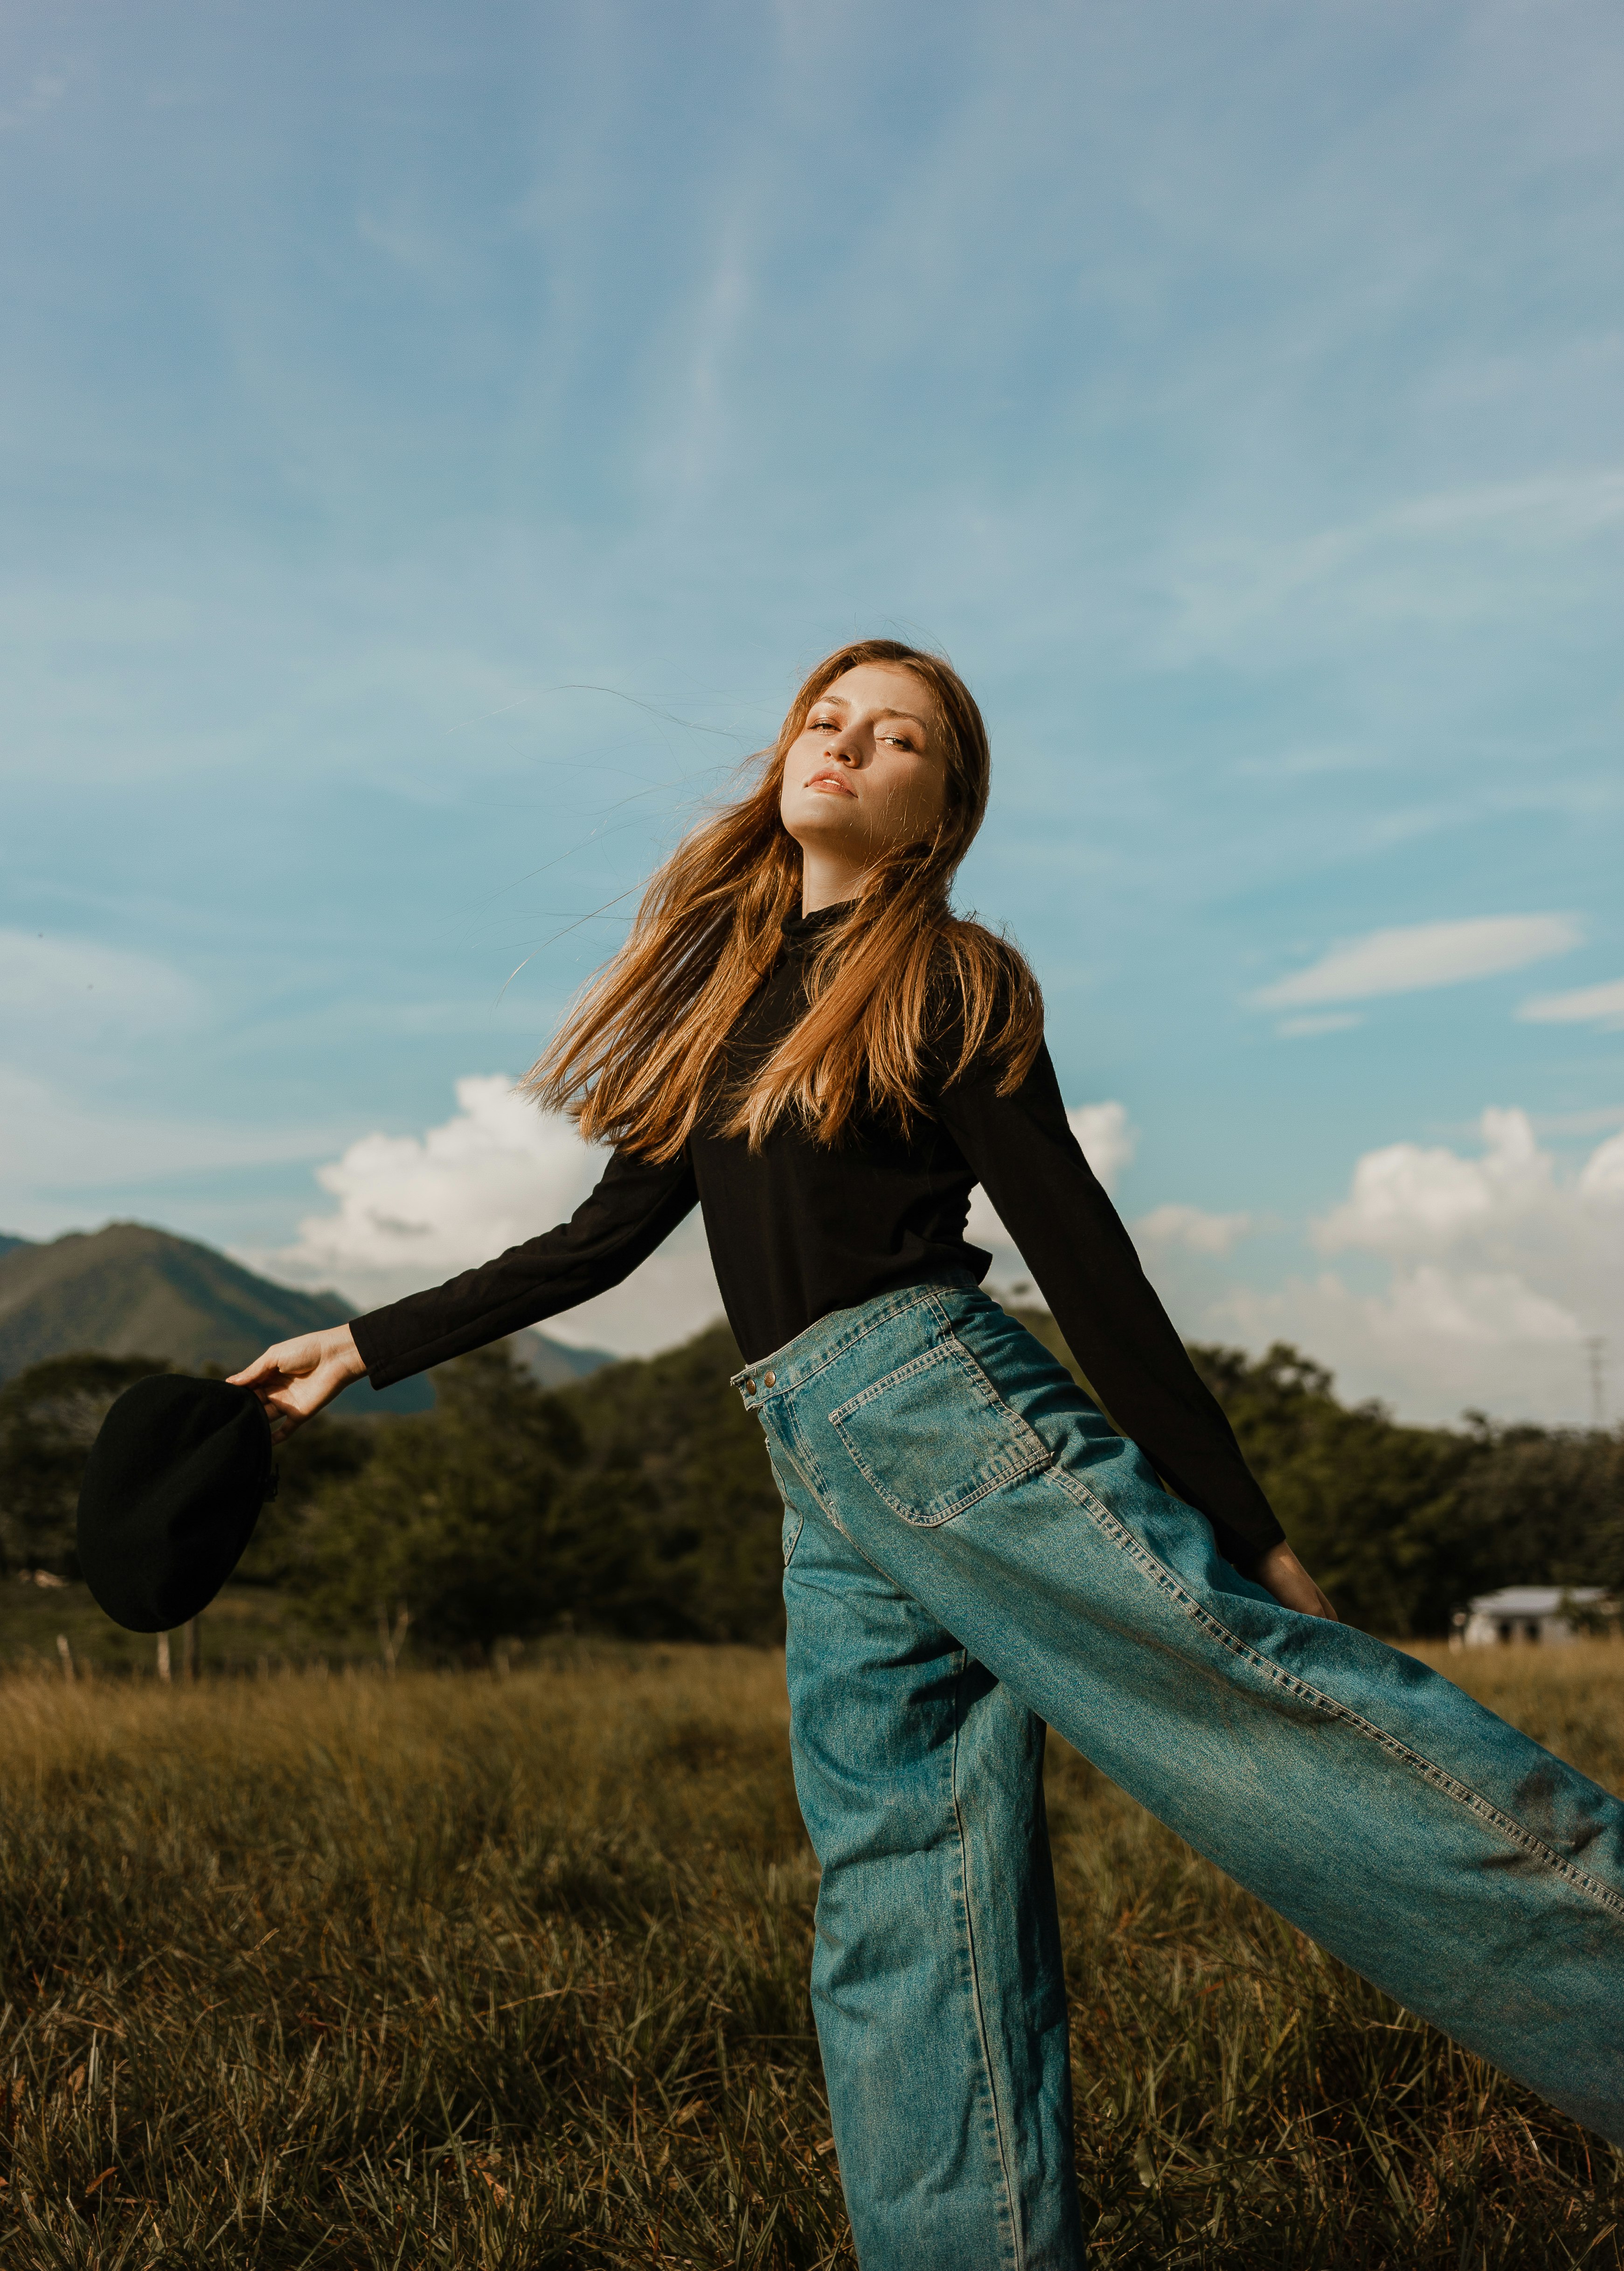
1108	1138
1404	1199
1433	1344
414	1210
1420	955
1193	1228
1499	1268
1603	1174
1599	1005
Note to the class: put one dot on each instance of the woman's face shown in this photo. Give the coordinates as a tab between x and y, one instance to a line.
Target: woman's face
866	773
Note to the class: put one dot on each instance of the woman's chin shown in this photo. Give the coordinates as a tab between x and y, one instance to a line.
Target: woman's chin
826	832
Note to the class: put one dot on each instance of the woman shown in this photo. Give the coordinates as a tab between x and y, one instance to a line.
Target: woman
801	1038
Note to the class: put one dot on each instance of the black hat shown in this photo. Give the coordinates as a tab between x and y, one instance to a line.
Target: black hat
172	1491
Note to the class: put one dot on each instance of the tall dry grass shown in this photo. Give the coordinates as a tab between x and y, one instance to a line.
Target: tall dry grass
463	1972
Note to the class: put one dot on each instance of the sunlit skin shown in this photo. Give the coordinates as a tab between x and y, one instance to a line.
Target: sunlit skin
865	776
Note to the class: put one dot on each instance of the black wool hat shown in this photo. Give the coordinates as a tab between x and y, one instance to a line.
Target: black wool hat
172	1491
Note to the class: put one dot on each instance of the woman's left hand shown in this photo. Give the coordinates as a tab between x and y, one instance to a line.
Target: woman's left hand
293	1380
1291	1584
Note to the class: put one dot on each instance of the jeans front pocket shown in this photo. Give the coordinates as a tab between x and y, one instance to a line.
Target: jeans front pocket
934	1435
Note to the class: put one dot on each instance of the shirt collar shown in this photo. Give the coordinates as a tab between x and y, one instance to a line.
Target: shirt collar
805	930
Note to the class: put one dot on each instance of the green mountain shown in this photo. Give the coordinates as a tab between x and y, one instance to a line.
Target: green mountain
131	1290
554	1364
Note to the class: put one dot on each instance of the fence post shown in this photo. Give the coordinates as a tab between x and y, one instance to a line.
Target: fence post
66	1654
390	1639
163	1656
189	1649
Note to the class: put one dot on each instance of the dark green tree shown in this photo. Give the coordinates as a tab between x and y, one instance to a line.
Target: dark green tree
325	1452
1539	1506
676	1472
49	1418
1367	1503
454	1513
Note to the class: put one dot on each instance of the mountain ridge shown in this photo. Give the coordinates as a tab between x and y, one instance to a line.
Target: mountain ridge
132	1289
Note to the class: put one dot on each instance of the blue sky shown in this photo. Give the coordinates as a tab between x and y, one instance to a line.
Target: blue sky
435	441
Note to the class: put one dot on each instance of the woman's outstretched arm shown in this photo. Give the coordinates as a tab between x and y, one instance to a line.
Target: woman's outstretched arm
635	1208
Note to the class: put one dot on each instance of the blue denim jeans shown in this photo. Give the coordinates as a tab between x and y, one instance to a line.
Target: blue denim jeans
970	1551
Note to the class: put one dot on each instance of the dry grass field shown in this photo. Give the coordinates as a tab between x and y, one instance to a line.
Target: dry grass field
464	1972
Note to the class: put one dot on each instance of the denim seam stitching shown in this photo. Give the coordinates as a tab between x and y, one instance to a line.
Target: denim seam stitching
800	1455
1017	2253
791	1512
1440	1778
983	1384
800	1523
951	1351
806	1465
922	1363
914	1518
858	1333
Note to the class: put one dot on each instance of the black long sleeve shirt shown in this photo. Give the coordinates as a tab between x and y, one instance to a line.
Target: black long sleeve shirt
799	1229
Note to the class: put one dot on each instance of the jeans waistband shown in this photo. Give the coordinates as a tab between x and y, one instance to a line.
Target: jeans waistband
788	1368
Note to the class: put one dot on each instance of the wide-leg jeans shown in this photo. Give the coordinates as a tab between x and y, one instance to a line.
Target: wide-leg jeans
971	1552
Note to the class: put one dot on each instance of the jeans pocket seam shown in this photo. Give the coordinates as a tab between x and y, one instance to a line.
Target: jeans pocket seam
798	1451
1461	1793
1026	1452
912	1516
924	1362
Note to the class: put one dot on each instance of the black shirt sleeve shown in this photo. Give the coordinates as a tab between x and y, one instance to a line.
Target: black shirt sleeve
1022	1151
635	1208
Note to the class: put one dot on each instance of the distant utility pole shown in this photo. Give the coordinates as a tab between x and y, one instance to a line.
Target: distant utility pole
1595	1348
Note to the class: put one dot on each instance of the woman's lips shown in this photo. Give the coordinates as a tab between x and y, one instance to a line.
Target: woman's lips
831	781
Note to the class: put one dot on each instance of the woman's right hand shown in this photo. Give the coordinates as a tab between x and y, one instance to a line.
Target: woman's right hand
1291	1584
296	1378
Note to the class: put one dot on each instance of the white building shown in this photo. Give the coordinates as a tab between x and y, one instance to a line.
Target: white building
1524	1612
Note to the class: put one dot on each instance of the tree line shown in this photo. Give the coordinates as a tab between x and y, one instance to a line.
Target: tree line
639	1502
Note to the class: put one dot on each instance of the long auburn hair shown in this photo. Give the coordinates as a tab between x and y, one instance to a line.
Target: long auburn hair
635	1058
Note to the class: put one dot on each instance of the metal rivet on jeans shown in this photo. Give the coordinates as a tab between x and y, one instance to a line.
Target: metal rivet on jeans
750	1387
769	1379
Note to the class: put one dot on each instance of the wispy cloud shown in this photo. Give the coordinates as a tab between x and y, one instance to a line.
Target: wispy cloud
1410	959
1588	1005
64	1159
78	988
1316	1022
1449	557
